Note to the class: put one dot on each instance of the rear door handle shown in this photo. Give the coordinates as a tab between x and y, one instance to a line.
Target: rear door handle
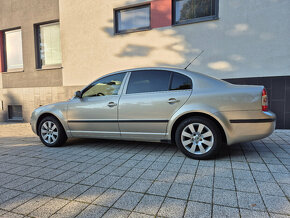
112	104
172	100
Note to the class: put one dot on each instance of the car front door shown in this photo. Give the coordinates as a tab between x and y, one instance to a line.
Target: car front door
95	113
150	99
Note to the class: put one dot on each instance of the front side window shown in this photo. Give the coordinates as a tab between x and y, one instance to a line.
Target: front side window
13	48
109	85
132	19
194	10
180	82
148	81
49	50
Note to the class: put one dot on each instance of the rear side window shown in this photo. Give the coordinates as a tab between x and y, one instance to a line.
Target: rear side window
148	81
180	82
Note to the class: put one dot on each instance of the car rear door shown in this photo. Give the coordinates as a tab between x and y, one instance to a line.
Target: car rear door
95	114
150	99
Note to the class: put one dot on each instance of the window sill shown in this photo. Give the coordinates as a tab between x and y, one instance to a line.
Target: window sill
196	20
14	71
49	68
15	120
132	31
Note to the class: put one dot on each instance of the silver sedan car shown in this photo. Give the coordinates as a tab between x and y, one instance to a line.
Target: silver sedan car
196	112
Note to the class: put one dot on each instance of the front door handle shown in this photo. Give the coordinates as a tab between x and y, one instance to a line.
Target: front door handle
112	104
172	100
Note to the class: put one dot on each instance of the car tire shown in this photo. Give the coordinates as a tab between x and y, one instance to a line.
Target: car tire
198	138
51	132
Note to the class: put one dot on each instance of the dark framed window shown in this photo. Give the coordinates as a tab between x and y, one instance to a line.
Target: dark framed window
15	112
13	55
48	45
109	85
191	11
180	82
132	19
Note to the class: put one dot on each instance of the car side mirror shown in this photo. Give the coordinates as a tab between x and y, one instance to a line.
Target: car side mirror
78	94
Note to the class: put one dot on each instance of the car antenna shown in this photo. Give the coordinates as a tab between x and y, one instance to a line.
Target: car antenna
194	59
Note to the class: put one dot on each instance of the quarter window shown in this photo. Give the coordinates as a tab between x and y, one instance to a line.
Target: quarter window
180	82
48	43
109	85
148	81
187	11
13	48
132	19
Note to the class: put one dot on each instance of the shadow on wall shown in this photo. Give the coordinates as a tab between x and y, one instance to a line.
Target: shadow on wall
233	48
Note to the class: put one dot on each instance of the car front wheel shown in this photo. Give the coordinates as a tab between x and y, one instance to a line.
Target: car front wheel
198	138
51	132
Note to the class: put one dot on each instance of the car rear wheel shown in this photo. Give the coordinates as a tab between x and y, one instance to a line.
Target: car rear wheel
51	132
198	138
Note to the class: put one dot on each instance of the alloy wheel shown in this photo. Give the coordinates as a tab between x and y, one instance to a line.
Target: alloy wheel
49	132
197	138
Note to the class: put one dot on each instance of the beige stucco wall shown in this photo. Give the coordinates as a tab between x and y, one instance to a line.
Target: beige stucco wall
250	39
24	14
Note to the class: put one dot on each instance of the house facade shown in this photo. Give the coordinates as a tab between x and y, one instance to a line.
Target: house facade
51	48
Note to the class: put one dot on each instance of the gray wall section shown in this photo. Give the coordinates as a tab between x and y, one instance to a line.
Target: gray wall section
278	90
31	98
25	14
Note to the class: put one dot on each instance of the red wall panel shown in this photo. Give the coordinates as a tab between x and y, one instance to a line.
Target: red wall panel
161	14
1	52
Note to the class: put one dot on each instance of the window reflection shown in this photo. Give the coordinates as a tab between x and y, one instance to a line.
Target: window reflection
13	46
133	18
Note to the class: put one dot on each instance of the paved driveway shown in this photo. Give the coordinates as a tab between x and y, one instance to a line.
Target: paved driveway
91	178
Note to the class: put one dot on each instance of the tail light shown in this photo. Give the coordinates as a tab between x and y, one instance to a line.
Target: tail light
264	100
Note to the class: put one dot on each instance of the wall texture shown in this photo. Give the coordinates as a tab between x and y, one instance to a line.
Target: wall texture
30	87
250	39
25	14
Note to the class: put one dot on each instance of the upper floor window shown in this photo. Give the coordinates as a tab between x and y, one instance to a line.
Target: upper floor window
13	50
109	85
132	19
48	44
188	11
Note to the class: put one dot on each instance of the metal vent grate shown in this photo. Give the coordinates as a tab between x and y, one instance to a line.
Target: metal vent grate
15	112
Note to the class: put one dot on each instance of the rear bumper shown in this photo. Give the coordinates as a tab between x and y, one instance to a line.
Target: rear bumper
243	130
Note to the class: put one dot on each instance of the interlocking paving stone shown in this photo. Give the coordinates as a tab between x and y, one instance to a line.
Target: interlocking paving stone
250	201
49	208
149	204
159	188
201	194
224	183
70	210
16	201
141	185
269	188
172	208
252	213
277	204
128	200
108	198
94	178
225	197
90	194
179	191
196	209
246	185
140	215
32	205
93	211
221	211
116	213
